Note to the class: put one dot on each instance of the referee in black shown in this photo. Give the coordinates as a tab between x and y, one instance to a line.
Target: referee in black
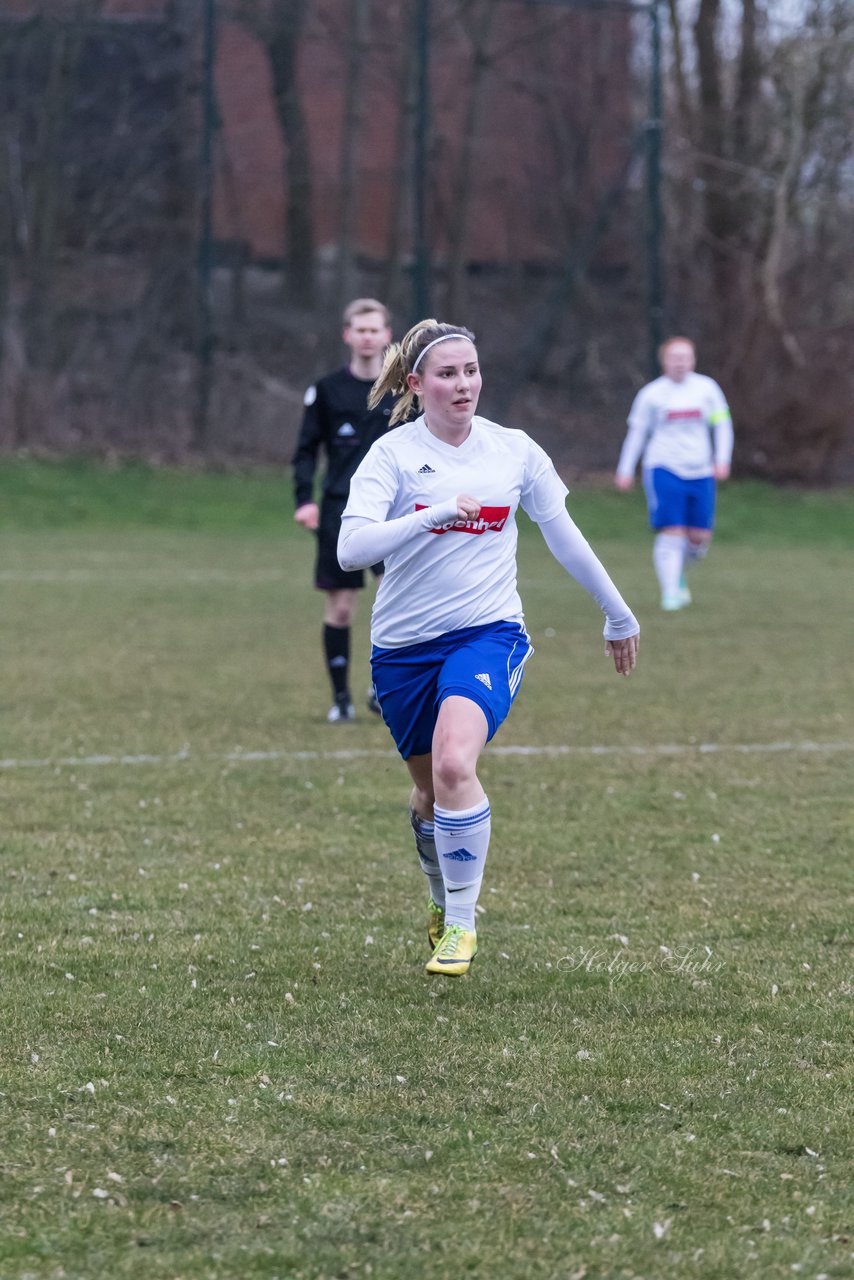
337	421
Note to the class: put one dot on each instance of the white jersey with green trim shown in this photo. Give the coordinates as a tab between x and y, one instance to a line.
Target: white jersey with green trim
462	574
683	426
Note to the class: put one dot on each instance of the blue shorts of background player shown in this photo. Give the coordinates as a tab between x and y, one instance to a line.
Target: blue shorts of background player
484	664
677	503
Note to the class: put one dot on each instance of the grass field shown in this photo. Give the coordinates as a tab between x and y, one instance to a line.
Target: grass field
220	1054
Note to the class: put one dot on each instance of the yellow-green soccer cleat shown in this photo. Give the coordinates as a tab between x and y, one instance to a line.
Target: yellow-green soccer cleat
435	922
455	952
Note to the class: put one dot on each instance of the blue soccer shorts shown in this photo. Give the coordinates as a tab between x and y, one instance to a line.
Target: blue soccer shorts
484	664
672	501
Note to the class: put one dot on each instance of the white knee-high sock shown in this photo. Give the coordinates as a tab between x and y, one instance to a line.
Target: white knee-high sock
426	846
668	556
462	841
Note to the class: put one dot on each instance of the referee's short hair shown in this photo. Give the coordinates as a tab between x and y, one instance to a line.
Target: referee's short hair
359	306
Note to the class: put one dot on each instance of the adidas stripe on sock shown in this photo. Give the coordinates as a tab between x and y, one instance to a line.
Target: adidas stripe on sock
462	841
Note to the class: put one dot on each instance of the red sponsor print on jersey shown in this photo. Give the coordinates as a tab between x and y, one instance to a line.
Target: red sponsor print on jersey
683	415
491	519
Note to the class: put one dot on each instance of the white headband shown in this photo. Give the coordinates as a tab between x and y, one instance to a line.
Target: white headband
444	338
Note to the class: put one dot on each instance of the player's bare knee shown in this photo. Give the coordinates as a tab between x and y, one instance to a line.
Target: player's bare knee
453	768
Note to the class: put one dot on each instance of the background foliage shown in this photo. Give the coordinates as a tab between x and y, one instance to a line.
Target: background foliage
110	303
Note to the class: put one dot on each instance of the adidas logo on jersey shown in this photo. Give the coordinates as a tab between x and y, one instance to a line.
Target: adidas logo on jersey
426	470
483	677
346	429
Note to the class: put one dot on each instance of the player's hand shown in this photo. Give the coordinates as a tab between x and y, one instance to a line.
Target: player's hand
468	508
624	653
624	483
308	515
721	471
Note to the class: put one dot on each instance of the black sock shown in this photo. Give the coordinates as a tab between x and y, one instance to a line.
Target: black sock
336	646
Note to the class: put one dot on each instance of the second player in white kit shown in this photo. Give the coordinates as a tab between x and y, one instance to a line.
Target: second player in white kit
680	423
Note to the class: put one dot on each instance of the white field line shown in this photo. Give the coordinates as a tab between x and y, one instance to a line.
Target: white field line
165	577
263	757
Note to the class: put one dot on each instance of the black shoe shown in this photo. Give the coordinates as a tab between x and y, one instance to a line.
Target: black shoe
374	703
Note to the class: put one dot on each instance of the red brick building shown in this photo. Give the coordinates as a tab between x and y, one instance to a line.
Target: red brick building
552	124
529	132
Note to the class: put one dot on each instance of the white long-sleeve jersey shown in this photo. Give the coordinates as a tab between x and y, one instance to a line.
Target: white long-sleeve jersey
684	426
443	573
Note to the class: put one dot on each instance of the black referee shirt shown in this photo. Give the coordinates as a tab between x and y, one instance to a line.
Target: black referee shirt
337	421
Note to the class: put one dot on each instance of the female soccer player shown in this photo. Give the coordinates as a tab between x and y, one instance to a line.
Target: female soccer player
436	500
681	423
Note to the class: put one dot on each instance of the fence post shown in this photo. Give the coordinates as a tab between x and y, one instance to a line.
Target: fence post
204	265
655	300
422	266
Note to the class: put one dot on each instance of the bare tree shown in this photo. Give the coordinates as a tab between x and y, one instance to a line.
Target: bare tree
358	43
772	149
683	98
748	82
286	23
477	18
279	25
403	89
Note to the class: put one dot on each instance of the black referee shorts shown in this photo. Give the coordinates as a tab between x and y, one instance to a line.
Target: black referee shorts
328	574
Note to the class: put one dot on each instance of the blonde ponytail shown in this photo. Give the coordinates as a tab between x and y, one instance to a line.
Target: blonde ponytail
392	381
400	359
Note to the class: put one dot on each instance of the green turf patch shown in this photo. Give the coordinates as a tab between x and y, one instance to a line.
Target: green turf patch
221	1056
35	493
